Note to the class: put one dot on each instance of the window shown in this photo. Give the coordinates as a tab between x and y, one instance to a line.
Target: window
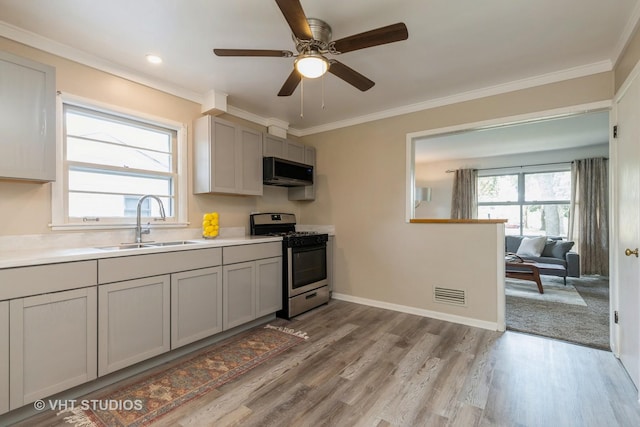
110	159
533	203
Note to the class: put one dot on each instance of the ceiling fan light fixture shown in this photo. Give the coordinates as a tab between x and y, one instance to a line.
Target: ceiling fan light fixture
311	65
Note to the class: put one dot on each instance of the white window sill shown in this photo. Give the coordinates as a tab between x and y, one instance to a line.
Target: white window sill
95	226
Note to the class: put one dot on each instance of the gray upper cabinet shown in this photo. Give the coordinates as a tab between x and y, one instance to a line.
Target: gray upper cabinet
307	192
275	146
27	119
227	158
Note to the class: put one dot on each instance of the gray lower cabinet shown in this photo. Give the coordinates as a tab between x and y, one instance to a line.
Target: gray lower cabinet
133	322
4	356
238	286
251	289
268	286
196	305
52	343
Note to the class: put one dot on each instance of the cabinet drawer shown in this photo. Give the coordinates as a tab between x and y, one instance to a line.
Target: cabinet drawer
41	279
243	253
132	267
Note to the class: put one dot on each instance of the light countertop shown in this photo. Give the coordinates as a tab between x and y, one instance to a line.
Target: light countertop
28	257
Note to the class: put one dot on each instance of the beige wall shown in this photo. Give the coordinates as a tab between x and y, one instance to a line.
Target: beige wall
25	208
361	190
627	60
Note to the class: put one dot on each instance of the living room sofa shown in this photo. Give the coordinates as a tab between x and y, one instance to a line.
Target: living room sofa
556	251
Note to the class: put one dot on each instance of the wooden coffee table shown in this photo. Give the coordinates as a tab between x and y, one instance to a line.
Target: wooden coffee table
524	271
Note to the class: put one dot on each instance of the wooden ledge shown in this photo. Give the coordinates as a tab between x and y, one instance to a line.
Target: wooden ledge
458	221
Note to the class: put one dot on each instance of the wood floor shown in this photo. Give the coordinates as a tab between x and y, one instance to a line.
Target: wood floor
364	366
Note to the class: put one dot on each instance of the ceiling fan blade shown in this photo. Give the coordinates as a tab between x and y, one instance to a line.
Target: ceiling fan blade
383	35
253	52
350	75
297	20
291	84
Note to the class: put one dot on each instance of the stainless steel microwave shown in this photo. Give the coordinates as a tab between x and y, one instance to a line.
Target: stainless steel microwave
286	173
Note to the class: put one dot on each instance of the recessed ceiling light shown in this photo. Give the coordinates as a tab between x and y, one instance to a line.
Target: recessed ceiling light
154	59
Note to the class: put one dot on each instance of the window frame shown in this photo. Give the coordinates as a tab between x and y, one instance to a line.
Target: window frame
60	219
522	202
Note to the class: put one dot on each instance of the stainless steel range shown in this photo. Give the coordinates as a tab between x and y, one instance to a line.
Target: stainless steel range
304	276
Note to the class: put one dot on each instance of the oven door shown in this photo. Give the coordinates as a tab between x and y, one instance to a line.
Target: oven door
307	268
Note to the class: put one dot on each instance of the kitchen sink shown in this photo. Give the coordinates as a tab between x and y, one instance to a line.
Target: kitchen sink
177	243
123	246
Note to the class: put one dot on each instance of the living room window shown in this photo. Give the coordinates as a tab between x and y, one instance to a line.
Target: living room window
110	158
534	203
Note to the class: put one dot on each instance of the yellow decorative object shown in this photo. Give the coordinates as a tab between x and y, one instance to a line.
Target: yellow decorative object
210	225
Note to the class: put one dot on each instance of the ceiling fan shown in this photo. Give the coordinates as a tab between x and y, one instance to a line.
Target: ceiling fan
312	37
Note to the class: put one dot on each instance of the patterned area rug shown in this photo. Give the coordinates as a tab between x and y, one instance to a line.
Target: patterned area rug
586	325
149	399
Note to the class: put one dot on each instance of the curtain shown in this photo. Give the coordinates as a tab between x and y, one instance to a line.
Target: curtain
464	201
588	216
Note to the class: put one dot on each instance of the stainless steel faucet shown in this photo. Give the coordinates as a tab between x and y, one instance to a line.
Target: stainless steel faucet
139	230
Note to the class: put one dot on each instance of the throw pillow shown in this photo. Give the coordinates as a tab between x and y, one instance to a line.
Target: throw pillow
548	248
560	249
532	246
512	243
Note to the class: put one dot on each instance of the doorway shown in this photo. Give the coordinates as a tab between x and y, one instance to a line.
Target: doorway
544	142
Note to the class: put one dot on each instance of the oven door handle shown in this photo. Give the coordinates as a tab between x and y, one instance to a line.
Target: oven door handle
309	248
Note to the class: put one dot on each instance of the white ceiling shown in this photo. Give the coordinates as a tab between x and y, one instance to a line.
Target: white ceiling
455	48
580	130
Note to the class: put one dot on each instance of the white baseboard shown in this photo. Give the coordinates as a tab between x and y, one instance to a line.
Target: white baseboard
468	321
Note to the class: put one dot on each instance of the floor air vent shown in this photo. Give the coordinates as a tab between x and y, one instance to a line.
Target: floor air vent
449	296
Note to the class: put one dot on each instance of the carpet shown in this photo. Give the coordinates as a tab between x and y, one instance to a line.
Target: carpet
553	292
157	395
585	325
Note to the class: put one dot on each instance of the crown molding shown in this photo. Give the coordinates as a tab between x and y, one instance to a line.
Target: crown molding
567	74
627	33
47	45
50	46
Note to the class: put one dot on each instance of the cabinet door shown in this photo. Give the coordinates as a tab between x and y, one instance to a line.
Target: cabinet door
250	161
225	177
4	356
196	305
27	119
294	151
307	192
268	286
239	294
133	322
274	146
52	343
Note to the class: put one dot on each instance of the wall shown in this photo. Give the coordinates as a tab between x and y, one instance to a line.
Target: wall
434	174
25	208
361	190
627	60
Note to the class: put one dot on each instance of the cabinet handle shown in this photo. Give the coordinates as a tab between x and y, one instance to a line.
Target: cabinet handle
315	294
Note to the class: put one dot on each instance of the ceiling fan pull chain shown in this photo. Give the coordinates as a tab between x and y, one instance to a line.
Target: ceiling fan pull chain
322	91
302	97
